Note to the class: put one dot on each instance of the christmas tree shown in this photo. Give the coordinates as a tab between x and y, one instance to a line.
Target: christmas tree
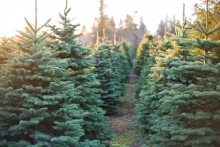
129	51
80	62
144	63
121	59
142	54
147	98
187	110
36	97
108	76
123	51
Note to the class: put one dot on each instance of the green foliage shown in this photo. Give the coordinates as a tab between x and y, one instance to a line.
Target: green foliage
142	54
37	98
49	95
164	26
107	70
80	62
89	143
142	80
213	17
129	52
144	64
179	105
112	67
126	55
150	83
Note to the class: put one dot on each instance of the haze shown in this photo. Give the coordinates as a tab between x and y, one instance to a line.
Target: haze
12	12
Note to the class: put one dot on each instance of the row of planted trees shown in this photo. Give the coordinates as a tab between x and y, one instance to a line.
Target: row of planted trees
178	90
54	92
112	65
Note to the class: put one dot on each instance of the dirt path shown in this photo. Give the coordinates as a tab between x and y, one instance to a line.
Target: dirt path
122	123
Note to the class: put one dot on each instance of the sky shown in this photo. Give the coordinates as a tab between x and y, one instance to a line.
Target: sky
84	12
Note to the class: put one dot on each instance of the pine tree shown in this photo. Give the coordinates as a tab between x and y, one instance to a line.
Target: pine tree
130	31
142	54
80	62
165	25
187	109
120	31
129	52
108	76
213	13
101	23
150	83
110	28
120	67
161	121
112	65
142	29
145	66
37	97
122	58
157	46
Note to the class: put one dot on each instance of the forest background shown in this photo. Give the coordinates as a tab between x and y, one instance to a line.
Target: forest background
128	19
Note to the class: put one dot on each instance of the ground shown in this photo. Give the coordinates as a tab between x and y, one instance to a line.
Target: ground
122	123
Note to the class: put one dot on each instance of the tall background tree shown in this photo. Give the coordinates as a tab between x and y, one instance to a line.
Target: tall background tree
127	30
120	30
130	31
164	24
141	30
86	37
100	22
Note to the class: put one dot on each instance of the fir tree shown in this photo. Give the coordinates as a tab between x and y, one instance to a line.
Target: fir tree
130	31
108	76
150	83
126	56
187	109
37	97
142	54
112	67
213	12
120	67
129	52
147	61
80	62
160	122
156	46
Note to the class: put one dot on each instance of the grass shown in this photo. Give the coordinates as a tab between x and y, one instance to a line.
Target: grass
125	135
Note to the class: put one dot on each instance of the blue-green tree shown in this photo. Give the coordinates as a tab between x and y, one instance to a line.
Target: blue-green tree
80	62
142	53
37	97
187	105
108	76
39	102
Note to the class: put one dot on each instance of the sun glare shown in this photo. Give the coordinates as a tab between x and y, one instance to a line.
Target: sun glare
12	12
